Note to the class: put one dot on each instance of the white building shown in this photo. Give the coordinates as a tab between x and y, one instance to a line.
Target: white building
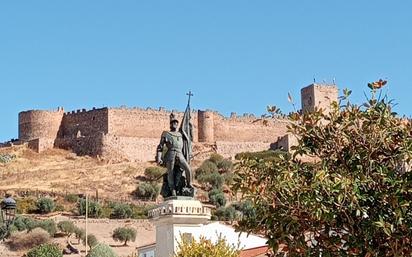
179	218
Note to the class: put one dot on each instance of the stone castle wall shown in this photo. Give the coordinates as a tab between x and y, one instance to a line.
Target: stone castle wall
133	133
39	124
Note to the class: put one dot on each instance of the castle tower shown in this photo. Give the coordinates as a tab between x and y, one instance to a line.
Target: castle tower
40	128
318	96
206	126
35	124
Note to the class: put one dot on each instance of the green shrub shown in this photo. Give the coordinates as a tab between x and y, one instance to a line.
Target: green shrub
124	234
147	190
45	250
154	173
122	211
140	211
102	250
6	158
66	227
217	197
26	205
45	205
226	213
59	207
228	177
71	198
79	233
48	225
262	155
94	208
215	180
246	209
22	240
23	223
225	166
216	158
91	240
207	167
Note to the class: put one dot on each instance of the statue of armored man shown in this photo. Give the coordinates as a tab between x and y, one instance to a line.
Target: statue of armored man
175	152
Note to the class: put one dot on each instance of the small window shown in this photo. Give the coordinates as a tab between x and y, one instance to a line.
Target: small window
94	117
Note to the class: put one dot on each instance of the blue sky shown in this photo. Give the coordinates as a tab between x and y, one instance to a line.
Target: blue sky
234	55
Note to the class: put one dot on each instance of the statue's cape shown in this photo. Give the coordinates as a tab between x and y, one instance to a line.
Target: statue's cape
186	130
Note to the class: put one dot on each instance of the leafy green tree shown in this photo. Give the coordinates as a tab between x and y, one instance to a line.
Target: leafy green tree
225	166
91	240
203	247
226	213
45	205
213	180
147	190
79	233
66	227
124	234
101	250
207	167
49	225
216	158
23	223
94	208
121	211
345	191
45	250
217	197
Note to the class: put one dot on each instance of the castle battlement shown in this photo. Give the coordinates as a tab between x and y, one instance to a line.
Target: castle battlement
133	133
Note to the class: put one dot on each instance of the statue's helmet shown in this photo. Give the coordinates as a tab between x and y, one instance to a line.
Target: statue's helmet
173	118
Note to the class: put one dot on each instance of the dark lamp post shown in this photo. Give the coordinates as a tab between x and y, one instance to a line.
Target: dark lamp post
8	210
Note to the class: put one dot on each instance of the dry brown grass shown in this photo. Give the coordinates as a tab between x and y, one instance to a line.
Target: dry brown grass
61	171
23	240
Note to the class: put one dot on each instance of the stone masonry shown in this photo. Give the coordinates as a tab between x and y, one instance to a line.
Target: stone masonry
133	133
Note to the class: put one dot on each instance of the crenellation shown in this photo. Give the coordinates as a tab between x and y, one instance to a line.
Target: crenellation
132	133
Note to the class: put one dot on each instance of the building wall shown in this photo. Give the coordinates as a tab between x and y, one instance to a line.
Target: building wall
247	129
82	123
318	96
140	123
133	133
39	124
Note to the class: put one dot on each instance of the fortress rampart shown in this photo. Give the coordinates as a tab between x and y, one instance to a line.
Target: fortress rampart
133	133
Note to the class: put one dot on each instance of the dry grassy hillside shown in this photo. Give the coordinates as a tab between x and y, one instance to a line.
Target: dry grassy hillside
62	171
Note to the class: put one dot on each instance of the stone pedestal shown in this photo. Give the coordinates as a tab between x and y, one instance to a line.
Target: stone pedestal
177	217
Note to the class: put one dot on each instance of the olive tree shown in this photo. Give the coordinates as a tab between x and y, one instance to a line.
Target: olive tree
345	190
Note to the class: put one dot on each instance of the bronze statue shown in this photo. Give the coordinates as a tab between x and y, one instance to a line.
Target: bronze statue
178	179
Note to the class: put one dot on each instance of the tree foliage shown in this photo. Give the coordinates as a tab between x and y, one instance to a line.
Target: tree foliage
94	208
147	190
154	173
45	205
205	248
121	211
91	240
67	227
45	250
217	197
353	198
124	234
101	250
